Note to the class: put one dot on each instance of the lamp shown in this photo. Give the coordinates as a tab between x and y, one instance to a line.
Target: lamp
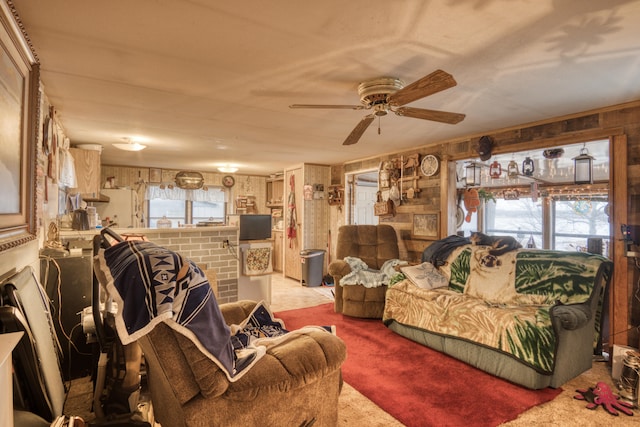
583	167
495	170
473	174
129	145
512	169
528	167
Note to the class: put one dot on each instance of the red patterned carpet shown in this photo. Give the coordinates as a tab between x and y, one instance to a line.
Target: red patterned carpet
417	385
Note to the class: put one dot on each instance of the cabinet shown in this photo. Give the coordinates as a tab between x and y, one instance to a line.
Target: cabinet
311	214
275	192
87	164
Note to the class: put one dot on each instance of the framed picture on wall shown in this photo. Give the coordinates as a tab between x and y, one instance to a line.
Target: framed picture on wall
19	77
155	175
425	226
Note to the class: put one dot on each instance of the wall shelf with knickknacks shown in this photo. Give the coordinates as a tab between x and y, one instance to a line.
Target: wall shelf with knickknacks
336	195
398	178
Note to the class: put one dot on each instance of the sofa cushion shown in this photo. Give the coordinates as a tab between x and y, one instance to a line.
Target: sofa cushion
524	331
425	276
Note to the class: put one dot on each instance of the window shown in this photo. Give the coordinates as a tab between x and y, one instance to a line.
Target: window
573	221
565	216
174	210
576	220
521	219
208	211
186	206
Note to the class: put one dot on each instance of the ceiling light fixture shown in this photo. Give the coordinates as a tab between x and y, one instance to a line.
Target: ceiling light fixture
228	169
129	145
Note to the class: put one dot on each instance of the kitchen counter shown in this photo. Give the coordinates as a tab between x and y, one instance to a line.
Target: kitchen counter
206	246
66	235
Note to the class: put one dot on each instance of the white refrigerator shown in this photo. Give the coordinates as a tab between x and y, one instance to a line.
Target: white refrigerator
123	204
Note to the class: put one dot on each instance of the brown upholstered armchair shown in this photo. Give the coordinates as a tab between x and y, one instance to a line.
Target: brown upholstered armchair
373	244
294	384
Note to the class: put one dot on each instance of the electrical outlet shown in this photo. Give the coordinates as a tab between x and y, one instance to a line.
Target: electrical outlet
225	243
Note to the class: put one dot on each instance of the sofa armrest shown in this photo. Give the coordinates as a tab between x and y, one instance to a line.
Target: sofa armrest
338	269
292	364
235	313
572	316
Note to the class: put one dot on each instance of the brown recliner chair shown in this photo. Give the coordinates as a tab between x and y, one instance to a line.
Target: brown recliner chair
373	244
297	383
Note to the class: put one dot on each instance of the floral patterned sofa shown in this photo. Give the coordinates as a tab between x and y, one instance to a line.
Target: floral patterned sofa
529	316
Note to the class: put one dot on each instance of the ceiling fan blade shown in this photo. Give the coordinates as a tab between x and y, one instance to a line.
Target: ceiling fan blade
433	83
433	115
357	132
340	107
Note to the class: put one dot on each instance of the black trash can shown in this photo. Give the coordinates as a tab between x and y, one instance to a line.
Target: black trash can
312	263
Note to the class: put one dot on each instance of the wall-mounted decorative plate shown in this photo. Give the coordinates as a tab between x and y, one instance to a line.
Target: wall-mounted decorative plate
429	165
228	181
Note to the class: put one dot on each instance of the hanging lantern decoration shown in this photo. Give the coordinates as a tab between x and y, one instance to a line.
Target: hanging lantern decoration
583	167
495	170
512	169
528	167
473	174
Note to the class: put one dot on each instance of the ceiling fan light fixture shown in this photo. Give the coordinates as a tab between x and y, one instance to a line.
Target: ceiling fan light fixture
380	110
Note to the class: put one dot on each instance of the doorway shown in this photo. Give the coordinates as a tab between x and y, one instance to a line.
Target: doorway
362	190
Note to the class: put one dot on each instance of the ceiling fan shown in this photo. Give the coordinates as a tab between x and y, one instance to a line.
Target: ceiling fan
386	94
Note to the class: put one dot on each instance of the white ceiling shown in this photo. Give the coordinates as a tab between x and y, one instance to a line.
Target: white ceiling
209	82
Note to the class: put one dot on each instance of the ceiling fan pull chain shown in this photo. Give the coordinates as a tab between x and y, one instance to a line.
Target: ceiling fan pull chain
378	125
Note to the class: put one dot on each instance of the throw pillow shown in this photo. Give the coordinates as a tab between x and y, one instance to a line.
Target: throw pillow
425	276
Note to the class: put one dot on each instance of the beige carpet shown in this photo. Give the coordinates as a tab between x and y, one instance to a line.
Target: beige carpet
356	410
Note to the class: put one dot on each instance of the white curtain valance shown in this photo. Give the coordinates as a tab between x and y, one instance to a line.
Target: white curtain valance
211	194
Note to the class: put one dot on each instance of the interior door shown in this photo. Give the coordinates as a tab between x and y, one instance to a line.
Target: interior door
365	191
292	246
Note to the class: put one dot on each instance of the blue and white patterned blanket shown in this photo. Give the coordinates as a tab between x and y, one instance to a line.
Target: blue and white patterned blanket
151	284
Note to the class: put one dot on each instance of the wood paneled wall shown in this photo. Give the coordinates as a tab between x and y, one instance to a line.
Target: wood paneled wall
619	123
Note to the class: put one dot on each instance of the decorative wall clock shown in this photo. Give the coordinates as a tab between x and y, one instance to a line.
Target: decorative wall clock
429	165
228	181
